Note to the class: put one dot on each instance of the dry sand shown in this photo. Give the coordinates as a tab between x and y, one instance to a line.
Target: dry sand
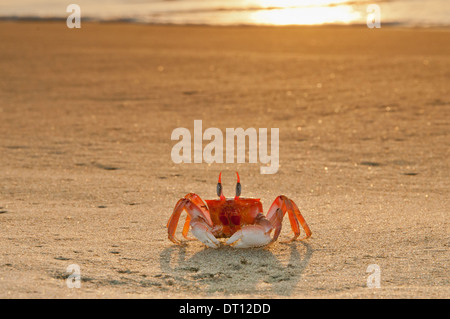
87	178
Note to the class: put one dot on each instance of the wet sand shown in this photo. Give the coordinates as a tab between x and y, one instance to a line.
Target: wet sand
87	178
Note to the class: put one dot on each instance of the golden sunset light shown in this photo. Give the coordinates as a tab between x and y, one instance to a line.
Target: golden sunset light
306	16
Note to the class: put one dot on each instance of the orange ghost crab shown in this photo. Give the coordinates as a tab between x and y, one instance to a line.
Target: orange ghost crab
241	220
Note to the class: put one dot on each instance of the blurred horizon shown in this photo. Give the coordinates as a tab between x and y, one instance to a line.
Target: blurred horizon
238	12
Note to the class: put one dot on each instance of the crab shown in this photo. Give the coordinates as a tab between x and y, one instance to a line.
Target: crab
241	220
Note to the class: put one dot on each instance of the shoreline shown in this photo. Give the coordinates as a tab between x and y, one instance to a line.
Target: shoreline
88	20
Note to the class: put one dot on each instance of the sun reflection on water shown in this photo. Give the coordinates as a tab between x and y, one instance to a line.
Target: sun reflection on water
293	3
313	15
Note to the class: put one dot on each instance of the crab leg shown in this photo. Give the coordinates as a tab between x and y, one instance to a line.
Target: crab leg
277	221
187	223
199	202
295	217
198	218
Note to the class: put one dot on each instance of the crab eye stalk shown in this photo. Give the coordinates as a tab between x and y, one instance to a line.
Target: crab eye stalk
219	188
238	186
238	189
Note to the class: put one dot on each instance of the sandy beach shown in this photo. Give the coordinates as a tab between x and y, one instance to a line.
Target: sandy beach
87	176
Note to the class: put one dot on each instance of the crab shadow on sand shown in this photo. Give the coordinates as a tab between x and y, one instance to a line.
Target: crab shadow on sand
235	271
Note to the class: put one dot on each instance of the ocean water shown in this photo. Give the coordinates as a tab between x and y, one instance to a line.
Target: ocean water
238	12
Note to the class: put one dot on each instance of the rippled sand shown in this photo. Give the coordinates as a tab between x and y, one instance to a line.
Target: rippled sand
87	178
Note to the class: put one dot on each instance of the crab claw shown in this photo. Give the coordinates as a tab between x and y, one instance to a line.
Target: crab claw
201	231
257	235
250	236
